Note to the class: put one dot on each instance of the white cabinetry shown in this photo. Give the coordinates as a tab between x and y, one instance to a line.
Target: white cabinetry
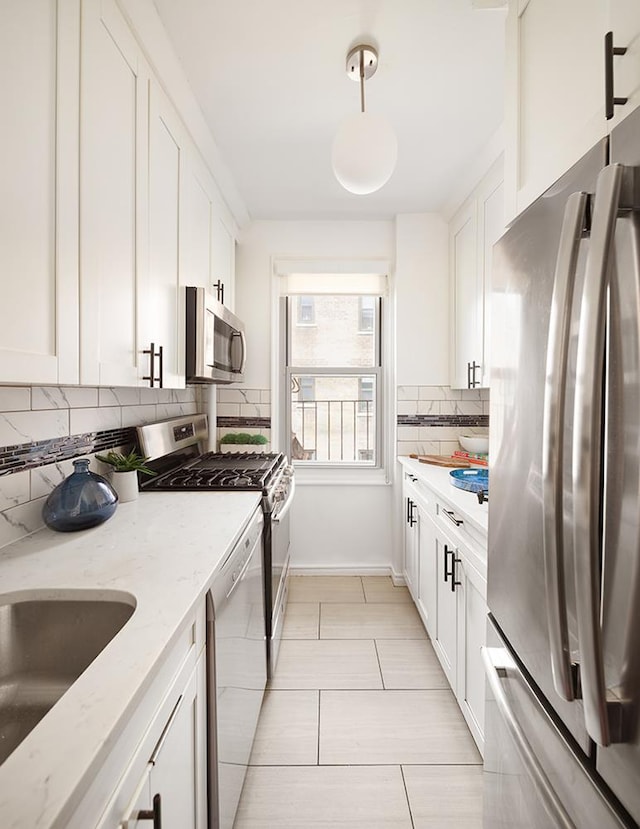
473	231
162	749
447	560
411	536
39	59
113	145
555	94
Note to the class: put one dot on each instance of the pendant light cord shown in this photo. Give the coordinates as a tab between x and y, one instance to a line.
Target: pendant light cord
362	80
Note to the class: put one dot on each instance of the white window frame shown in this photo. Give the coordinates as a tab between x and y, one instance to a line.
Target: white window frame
281	267
375	370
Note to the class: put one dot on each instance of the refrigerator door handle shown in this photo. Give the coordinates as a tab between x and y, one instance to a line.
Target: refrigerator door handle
497	662
573	223
601	718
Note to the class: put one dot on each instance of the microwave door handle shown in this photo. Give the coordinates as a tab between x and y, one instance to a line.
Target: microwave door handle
552	442
243	346
600	717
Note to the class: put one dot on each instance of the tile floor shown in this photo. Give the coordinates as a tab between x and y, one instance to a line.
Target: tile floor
359	729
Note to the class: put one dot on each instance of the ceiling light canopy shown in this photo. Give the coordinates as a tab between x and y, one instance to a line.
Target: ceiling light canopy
365	148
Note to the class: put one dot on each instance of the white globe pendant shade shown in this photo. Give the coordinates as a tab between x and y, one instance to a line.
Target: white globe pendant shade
364	153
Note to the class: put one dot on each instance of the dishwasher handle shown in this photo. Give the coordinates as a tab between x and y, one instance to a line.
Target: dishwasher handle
238	577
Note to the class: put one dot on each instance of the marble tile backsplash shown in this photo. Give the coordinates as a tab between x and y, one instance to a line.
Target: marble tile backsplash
430	418
244	410
49	414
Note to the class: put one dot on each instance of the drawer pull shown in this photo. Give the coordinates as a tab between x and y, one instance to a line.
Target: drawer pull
451	516
154	814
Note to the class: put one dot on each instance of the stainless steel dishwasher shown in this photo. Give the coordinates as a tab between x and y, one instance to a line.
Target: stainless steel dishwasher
236	671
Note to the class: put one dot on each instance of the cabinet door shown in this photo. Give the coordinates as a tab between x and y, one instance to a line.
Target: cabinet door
490	228
39	60
428	573
467	294
410	514
445	640
113	147
624	22
472	629
554	108
224	258
198	239
162	305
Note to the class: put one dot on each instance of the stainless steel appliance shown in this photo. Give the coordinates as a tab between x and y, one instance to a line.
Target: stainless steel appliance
236	671
563	663
216	346
175	450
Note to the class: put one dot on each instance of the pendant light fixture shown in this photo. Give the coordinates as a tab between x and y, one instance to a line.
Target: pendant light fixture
365	149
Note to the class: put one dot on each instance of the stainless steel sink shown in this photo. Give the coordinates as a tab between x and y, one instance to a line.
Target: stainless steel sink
45	644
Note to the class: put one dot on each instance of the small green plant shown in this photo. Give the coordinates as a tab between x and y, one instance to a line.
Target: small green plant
244	438
126	463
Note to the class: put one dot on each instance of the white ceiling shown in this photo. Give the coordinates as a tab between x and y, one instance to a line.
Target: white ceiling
270	78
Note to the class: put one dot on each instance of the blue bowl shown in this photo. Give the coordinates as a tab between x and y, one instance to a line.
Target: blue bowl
473	480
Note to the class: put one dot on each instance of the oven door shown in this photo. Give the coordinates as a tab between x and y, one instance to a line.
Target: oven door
280	555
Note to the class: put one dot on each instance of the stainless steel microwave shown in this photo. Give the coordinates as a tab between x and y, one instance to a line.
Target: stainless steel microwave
216	345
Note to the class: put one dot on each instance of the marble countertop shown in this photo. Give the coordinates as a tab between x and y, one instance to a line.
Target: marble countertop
438	479
164	549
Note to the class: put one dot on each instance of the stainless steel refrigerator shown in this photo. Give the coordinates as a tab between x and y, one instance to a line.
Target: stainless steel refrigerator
563	648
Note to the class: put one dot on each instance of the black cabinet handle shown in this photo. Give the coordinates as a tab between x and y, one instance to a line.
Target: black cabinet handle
151	377
454	561
474	382
219	286
610	101
154	814
446	563
468	375
412	520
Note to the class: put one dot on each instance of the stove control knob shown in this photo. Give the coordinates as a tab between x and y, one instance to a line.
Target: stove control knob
288	472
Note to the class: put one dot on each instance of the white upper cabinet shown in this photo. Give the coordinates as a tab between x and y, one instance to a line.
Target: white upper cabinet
555	91
39	53
473	231
113	145
162	311
209	259
555	94
624	22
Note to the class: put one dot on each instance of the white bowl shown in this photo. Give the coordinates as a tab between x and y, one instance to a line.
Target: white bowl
474	443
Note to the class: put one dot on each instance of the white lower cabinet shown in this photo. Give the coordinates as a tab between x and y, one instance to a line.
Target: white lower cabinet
159	760
444	567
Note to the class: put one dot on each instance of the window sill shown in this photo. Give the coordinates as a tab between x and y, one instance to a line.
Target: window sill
332	476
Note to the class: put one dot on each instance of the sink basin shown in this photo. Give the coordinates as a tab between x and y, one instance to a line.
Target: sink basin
45	644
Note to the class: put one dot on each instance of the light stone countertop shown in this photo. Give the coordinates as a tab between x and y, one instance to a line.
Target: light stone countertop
438	479
164	549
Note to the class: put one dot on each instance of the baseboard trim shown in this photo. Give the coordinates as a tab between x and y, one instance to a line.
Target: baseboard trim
398	579
343	570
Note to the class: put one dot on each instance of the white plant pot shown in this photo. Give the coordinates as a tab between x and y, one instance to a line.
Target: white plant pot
125	484
244	447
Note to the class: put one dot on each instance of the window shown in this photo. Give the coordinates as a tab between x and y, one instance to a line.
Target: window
334	381
365	394
306	310
367	310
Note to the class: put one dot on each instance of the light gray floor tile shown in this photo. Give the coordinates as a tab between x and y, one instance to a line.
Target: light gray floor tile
445	797
325	589
323	798
367	727
409	663
287	733
382	589
327	664
370	621
301	621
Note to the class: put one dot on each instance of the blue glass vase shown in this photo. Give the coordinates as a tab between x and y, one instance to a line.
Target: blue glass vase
82	500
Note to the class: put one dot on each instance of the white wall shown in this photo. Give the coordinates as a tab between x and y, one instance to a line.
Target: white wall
422	300
352	527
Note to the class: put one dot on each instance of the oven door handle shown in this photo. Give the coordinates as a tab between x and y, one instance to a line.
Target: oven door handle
276	518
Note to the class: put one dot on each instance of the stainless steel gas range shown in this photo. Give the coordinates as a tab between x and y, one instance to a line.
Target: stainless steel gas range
175	451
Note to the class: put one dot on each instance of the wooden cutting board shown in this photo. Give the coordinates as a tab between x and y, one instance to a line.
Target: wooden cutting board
442	460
